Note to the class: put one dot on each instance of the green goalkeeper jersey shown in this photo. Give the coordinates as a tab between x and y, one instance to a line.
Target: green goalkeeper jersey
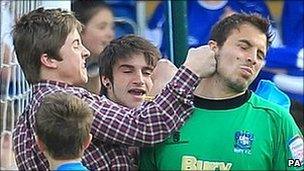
243	133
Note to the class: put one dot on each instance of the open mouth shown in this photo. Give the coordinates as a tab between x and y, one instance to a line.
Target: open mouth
137	92
84	63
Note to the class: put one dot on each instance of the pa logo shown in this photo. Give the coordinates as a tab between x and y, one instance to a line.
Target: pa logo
294	163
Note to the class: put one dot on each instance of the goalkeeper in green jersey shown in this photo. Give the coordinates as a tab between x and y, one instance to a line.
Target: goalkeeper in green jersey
232	128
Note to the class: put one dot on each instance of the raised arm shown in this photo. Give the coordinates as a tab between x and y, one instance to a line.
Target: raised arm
153	121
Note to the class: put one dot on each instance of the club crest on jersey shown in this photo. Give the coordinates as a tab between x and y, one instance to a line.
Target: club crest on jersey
243	142
296	148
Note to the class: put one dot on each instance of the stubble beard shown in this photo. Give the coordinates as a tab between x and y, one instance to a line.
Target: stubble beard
236	85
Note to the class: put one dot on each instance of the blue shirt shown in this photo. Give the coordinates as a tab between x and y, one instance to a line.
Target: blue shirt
72	166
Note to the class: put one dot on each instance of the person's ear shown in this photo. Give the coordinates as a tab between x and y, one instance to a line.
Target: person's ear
41	145
87	141
105	81
213	45
47	61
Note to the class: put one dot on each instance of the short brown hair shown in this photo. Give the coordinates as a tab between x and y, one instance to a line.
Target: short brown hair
38	32
63	123
222	29
123	48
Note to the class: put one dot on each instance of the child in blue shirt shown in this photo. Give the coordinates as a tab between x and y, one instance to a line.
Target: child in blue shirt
63	130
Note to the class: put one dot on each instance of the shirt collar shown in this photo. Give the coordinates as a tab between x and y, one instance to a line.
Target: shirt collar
50	83
222	104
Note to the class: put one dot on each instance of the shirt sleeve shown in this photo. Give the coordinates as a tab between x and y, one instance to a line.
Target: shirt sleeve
27	154
151	122
289	153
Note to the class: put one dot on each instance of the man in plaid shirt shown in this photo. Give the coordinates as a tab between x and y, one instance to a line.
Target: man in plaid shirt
49	50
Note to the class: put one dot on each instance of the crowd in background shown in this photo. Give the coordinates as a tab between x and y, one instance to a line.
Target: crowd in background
283	64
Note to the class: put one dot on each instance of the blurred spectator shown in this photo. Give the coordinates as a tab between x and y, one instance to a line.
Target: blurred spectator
202	14
98	20
292	23
58	115
125	16
285	64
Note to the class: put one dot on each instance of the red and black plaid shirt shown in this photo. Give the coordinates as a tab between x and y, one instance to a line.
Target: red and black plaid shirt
114	127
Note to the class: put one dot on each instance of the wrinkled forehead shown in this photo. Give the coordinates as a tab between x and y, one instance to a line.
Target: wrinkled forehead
250	33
